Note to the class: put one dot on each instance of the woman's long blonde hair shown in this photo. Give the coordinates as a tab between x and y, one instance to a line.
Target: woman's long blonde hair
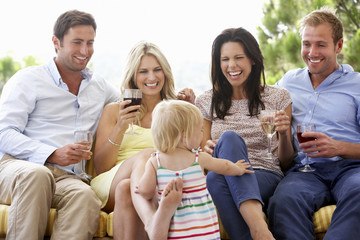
134	58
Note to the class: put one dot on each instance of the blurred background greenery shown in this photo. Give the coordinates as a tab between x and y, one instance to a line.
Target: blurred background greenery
279	37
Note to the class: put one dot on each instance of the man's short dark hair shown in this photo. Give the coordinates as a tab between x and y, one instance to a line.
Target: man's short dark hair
70	19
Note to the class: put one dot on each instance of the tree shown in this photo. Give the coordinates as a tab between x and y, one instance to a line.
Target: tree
280	41
8	67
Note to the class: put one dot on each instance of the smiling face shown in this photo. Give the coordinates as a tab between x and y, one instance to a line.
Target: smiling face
75	50
150	77
319	51
235	65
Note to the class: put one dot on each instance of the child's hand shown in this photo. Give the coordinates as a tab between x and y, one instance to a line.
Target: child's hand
243	167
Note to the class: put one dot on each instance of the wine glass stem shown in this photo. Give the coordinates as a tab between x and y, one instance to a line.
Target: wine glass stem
269	146
307	160
83	166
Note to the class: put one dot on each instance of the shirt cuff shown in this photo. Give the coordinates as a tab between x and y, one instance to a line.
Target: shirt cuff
42	154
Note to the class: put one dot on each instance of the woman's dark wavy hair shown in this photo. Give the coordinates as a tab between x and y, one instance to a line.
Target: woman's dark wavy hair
222	90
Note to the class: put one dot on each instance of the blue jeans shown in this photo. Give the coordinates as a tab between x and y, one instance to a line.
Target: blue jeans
228	192
300	194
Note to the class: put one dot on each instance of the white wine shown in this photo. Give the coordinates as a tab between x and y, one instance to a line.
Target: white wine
268	128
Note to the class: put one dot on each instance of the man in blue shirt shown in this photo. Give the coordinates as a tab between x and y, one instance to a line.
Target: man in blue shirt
327	94
40	109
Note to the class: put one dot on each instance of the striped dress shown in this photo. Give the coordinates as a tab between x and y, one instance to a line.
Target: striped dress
196	217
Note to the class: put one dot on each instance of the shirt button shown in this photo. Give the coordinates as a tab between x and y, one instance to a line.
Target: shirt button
309	111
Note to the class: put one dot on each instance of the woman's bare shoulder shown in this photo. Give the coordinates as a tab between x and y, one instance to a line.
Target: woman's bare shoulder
111	110
111	107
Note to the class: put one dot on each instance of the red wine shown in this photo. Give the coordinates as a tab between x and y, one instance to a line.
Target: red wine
304	139
134	101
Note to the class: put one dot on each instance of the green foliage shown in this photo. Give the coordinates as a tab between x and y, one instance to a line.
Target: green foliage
353	49
8	67
280	41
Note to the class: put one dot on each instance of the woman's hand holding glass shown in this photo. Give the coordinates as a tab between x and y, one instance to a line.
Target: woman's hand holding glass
282	122
267	123
127	115
135	97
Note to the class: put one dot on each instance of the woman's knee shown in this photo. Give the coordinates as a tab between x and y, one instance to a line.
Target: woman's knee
231	146
231	137
146	153
142	156
123	193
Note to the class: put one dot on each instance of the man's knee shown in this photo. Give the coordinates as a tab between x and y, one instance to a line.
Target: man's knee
83	195
37	176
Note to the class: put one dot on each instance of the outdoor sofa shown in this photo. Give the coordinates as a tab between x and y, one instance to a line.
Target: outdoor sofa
321	219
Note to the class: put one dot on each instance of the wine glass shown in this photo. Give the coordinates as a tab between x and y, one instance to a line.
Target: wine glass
267	121
135	95
305	127
85	138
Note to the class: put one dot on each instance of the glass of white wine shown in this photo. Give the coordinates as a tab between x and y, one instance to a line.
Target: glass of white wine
85	138
267	121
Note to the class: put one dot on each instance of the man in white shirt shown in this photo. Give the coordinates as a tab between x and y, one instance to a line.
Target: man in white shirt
40	109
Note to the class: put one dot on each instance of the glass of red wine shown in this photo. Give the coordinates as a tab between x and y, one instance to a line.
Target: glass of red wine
300	129
135	96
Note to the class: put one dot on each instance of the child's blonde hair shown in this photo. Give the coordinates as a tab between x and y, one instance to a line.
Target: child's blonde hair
171	120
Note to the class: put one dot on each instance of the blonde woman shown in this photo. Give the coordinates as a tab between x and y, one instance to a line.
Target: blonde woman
177	131
120	157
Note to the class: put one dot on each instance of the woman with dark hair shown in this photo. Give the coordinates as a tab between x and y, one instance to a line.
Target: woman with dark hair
232	131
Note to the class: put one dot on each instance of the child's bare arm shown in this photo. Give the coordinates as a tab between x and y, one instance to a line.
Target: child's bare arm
147	183
223	166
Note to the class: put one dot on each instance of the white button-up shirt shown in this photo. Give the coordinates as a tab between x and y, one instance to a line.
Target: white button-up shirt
38	114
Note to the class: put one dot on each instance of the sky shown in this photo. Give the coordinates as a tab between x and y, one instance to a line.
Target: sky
183	29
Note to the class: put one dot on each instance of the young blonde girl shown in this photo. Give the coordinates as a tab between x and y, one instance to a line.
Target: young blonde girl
177	130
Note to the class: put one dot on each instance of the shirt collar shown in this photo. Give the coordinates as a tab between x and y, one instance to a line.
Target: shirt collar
86	73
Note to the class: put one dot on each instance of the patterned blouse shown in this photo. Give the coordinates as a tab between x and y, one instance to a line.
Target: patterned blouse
247	127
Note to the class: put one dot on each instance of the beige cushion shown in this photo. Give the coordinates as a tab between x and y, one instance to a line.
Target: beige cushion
322	218
4	209
110	229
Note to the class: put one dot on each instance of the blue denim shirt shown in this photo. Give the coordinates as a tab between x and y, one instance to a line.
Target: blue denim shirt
334	106
38	114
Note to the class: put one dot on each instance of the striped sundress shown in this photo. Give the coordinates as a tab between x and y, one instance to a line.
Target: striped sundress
196	217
